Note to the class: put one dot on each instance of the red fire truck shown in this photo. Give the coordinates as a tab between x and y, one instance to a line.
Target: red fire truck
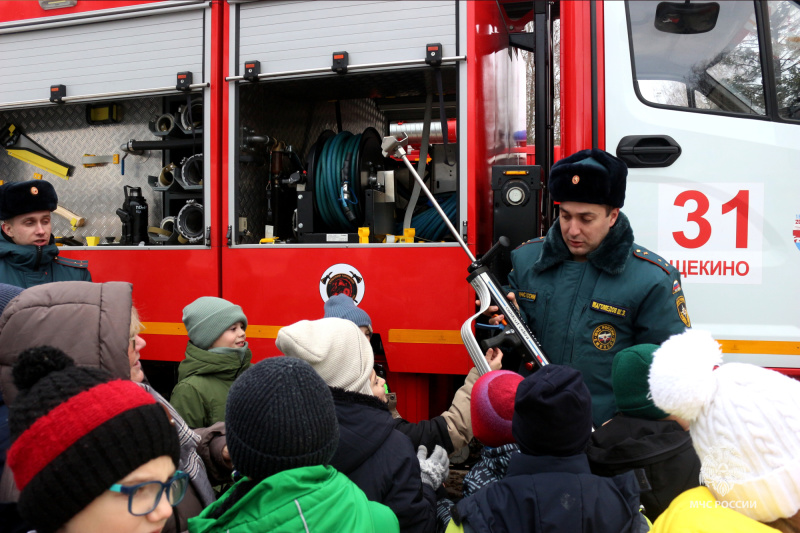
232	148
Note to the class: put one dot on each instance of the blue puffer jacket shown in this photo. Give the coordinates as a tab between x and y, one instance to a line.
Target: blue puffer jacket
552	495
583	313
28	266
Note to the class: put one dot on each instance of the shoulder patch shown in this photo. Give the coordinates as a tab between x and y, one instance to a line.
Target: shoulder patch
651	257
532	241
74	263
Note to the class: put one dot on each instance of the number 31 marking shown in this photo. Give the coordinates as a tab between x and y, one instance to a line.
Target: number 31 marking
740	203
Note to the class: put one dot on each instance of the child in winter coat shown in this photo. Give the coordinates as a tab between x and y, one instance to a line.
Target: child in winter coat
371	452
491	408
643	438
91	452
548	486
216	355
452	430
745	426
282	434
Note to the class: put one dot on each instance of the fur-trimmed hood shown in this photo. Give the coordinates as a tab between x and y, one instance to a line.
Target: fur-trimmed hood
610	257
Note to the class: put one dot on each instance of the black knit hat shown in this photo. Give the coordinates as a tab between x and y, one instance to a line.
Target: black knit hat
76	432
26	197
589	176
552	412
280	415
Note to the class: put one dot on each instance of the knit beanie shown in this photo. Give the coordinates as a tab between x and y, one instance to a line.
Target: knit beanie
19	198
552	412
335	348
78	431
343	306
744	422
589	176
629	373
492	407
7	293
280	415
208	317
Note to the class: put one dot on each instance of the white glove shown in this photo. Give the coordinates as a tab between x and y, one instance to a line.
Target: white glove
435	468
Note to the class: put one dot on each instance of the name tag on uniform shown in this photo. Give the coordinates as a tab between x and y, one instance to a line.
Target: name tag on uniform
530	296
609	309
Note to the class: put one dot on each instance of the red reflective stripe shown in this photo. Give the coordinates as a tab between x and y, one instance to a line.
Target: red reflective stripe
59	429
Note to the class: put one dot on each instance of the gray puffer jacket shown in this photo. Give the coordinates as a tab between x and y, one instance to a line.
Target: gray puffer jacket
90	322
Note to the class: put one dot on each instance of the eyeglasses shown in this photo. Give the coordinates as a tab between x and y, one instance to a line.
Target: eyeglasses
143	498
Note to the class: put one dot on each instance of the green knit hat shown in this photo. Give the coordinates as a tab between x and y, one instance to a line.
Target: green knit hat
629	373
207	318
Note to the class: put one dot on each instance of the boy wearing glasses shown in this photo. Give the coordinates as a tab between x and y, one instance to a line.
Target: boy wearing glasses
91	453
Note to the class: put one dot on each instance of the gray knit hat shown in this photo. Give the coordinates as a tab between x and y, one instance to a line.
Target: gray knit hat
336	349
208	317
280	415
343	306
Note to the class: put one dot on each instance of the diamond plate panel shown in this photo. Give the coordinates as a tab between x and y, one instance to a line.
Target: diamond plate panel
297	122
94	193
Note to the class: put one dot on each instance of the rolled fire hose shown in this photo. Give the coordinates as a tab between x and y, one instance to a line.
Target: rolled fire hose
190	221
167	176
196	108
192	171
164	124
164	231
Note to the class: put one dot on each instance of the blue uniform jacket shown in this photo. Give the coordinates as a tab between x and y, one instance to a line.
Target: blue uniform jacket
28	265
583	313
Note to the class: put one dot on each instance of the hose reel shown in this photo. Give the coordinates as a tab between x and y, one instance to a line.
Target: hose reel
190	222
336	164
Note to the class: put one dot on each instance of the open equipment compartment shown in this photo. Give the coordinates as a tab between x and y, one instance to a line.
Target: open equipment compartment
302	139
309	110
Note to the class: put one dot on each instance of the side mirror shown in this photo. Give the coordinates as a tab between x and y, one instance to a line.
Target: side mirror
686	18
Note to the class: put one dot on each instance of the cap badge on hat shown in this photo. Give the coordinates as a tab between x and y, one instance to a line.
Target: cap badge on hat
604	336
34	191
575	179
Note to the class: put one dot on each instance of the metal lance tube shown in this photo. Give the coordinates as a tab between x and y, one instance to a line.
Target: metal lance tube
391	146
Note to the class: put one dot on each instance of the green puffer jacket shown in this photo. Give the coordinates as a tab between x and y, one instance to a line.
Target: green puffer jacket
583	313
312	498
204	379
28	266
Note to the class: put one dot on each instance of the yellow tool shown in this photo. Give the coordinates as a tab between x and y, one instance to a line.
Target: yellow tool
23	148
363	235
74	220
408	235
91	160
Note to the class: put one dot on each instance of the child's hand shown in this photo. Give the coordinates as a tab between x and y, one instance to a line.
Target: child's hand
495	358
226	456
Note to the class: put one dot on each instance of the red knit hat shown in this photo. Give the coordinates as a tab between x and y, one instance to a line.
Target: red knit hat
492	407
77	431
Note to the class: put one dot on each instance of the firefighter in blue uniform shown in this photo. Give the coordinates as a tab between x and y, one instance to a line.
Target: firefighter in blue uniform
28	254
586	289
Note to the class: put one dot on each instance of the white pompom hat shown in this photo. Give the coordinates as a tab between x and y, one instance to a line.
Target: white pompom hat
744	423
